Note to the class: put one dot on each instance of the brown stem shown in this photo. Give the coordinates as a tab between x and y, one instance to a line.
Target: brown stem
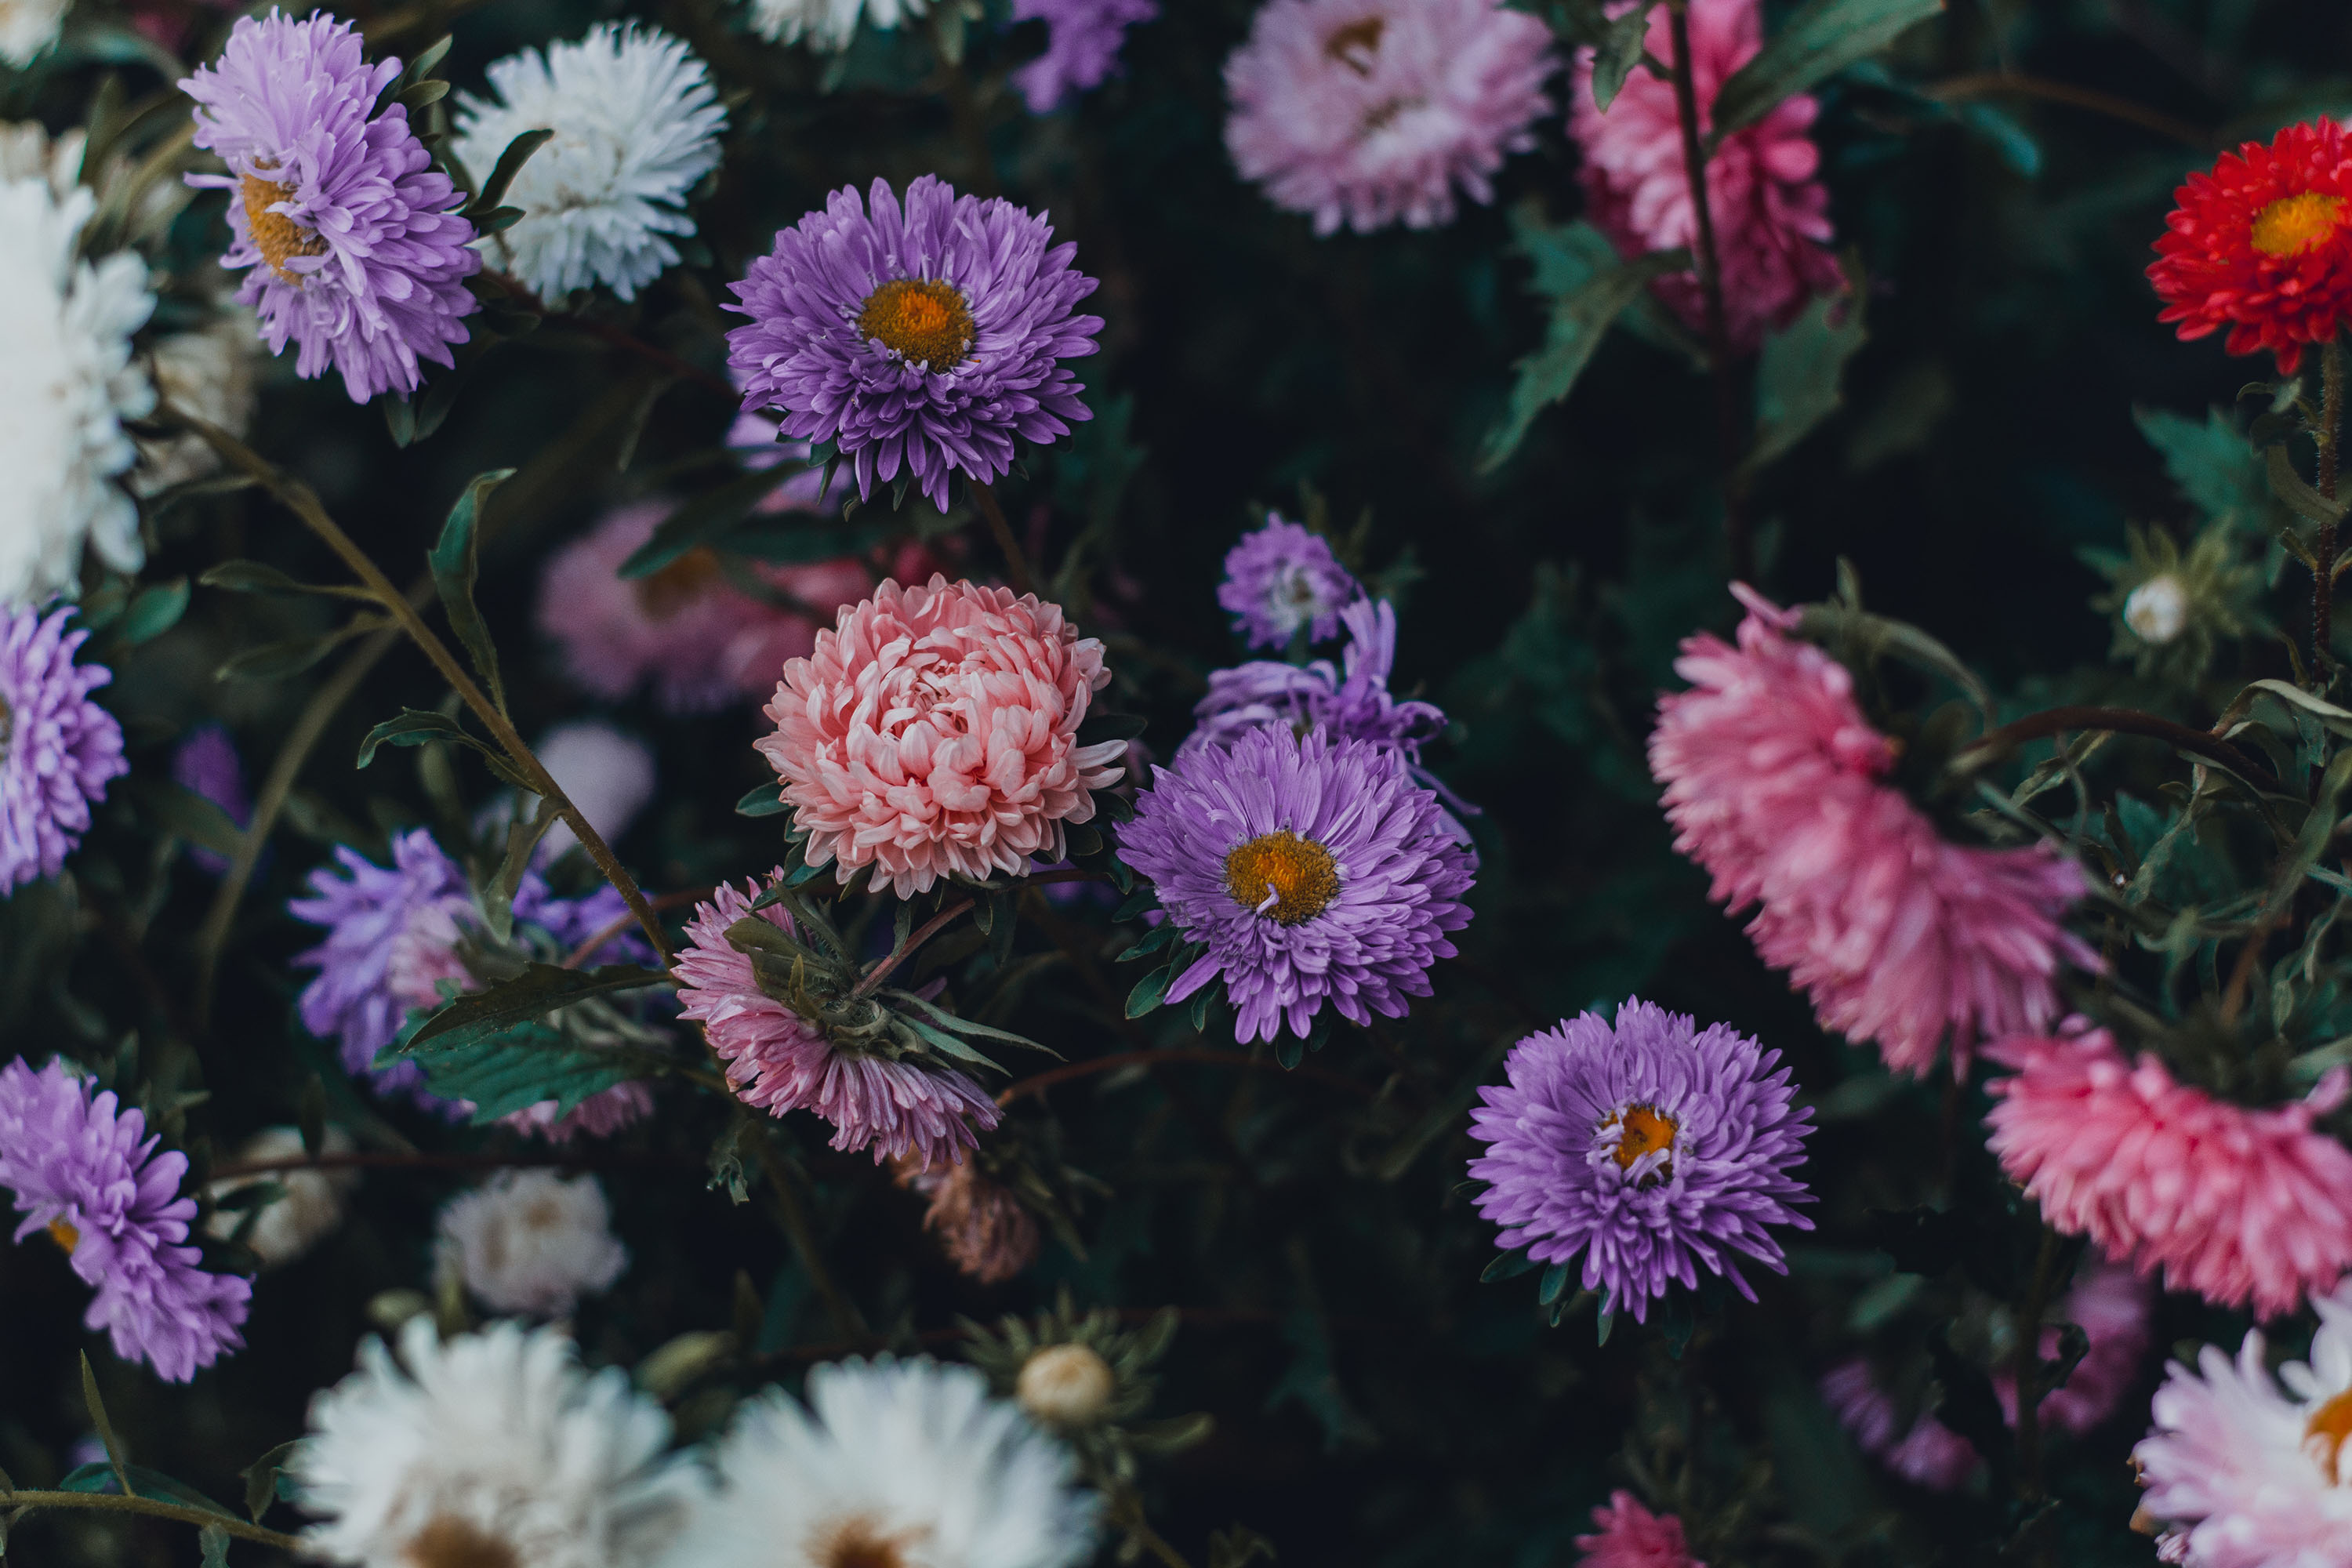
303	501
652	354
1126	1513
1039	1083
2323	576
929	928
1994	84
581	954
1016	565
155	1508
2120	721
1706	259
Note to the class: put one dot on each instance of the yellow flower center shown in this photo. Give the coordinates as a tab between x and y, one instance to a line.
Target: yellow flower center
275	235
448	1541
924	320
2323	1438
2293	225
1284	876
678	585
1646	1131
62	1232
1358	44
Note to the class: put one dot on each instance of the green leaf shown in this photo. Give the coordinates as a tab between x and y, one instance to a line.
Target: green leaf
791	538
1798	375
2296	492
255	577
1507	1266
182	813
708	518
1578	322
2214	466
1150	991
1554	1284
276	660
523	836
156	610
510	164
212	1547
538	991
761	800
1822	39
1619	51
96	1408
100	1478
512	1066
456	563
413	728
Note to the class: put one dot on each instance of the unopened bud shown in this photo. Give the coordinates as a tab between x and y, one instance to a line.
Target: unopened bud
2156	610
1067	1386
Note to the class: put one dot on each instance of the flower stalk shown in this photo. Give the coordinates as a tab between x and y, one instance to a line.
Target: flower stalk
1706	260
2323	576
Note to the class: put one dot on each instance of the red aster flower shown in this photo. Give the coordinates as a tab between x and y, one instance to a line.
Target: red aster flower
2262	246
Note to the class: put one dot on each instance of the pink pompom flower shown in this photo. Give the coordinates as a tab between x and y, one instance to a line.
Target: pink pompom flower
1371	112
1770	213
1775	783
1630	1536
778	1061
933	732
2237	1204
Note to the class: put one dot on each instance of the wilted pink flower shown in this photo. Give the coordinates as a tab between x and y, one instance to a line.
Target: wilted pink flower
601	1115
2237	1205
780	1062
1926	1454
1631	1536
1770	213
984	1230
934	731
1774	784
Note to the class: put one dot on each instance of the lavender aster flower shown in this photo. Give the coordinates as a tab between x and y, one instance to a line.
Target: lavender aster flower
389	933
1082	43
1351	702
87	1173
1655	1148
353	240
1282	578
1310	870
206	763
58	748
926	336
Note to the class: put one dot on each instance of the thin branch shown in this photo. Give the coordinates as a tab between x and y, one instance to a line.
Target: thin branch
1999	84
652	354
586	949
1039	1083
881	971
109	1502
2119	722
2323	574
847	1320
1708	260
1016	565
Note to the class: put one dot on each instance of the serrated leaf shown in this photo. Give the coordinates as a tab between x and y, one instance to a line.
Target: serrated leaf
456	560
539	990
1619	51
512	1067
1820	40
1799	375
1580	320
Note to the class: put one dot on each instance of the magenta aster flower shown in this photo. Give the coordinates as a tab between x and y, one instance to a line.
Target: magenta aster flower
927	336
1375	112
58	748
353	239
1655	1148
1770	213
1281	579
2237	1204
780	1062
88	1175
1630	1536
1308	871
1774	784
1082	39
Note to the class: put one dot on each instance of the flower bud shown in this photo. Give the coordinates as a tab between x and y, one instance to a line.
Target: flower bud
1065	1385
2158	609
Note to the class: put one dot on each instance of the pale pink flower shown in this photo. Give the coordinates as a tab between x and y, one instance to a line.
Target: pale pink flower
700	640
1926	1454
1774	784
2249	1470
601	1115
1770	213
986	1232
1631	1536
780	1062
1374	111
933	731
2237	1204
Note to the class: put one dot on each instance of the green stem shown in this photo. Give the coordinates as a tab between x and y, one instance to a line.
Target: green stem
847	1320
1016	565
1126	1513
155	1508
2322	576
2027	1369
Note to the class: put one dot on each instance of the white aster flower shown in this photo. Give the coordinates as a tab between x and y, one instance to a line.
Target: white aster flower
531	1241
67	382
209	373
824	23
310	1204
28	28
2249	1474
636	124
900	1464
28	152
493	1448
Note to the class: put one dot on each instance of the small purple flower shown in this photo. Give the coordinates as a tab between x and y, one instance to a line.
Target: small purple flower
206	763
91	1178
1653	1147
927	336
1282	578
353	239
1354	705
1082	44
1311	871
58	748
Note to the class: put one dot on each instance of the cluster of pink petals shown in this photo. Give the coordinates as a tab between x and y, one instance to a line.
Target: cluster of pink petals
933	731
780	1062
602	1114
1631	1536
1771	215
1775	783
2237	1205
984	1230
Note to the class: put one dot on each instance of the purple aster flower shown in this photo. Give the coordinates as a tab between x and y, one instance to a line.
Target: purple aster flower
1351	701
58	748
1653	1147
206	763
392	936
353	238
1310	870
1282	578
1082	43
89	1175
927	336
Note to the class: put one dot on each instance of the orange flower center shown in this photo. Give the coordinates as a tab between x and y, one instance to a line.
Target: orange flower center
448	1541
2294	225
2323	1440
1283	876
275	235
861	1542
1358	44
923	319
62	1232
1646	1131
680	582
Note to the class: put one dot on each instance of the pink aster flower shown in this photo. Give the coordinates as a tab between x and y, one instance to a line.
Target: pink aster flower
984	1230
602	1114
1631	1536
1771	215
2237	1204
1376	112
780	1062
1775	783
1926	1453
2110	1304
933	732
